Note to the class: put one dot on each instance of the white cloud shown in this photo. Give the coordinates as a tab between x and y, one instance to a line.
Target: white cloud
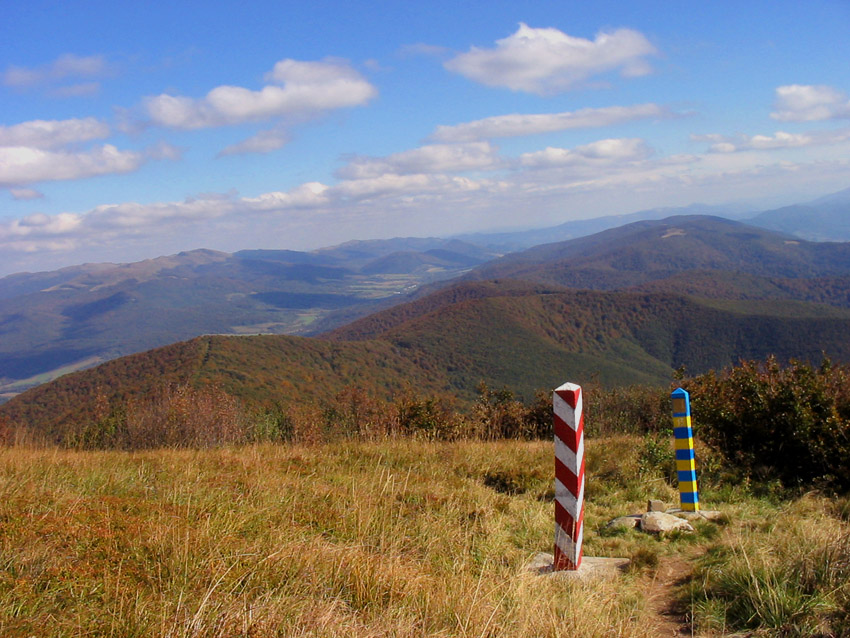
52	134
262	142
307	88
309	195
25	165
65	66
135	218
22	165
778	141
516	125
433	158
548	61
609	151
606	177
133	224
50	150
402	185
808	103
40	225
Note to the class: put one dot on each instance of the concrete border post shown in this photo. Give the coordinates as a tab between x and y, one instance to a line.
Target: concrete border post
569	476
685	460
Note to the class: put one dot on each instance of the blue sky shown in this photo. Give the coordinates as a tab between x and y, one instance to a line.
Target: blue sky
133	130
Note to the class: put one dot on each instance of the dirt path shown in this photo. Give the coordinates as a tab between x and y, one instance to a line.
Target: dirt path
670	618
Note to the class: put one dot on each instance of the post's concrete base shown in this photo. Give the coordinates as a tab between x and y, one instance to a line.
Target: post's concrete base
591	567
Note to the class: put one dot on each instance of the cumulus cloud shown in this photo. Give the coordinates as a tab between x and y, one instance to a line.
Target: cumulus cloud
39	225
25	165
66	67
50	150
297	89
405	185
148	218
52	134
548	61
516	125
22	165
608	151
607	177
777	141
808	103
433	158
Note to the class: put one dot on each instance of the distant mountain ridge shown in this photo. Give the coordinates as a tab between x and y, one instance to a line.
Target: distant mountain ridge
823	219
55	322
645	251
512	241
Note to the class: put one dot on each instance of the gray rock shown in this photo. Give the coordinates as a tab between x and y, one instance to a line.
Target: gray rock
657	522
541	563
655	506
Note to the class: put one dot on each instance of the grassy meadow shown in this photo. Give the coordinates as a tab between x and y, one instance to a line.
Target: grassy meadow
396	538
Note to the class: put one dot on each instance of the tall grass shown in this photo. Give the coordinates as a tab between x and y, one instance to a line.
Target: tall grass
363	539
787	575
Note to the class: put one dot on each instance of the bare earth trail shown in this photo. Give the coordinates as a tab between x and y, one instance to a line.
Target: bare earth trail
670	617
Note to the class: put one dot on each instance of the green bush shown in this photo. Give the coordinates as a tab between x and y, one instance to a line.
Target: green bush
790	424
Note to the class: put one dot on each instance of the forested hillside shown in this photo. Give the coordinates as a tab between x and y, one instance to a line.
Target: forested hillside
506	334
650	251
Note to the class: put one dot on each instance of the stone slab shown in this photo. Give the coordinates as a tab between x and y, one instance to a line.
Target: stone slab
654	505
658	522
591	567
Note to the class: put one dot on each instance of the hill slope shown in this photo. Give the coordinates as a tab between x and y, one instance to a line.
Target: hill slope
503	333
651	250
51	323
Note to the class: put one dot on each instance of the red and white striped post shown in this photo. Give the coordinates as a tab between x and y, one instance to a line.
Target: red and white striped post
569	476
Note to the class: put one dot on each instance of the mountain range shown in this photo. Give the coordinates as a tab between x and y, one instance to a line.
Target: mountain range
628	305
56	322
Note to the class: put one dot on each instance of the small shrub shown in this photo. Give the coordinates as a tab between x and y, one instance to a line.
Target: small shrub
657	456
273	424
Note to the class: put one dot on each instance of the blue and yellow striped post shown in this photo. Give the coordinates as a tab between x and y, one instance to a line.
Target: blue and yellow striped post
685	466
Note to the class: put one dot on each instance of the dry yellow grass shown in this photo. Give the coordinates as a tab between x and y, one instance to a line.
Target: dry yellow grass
395	538
384	539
